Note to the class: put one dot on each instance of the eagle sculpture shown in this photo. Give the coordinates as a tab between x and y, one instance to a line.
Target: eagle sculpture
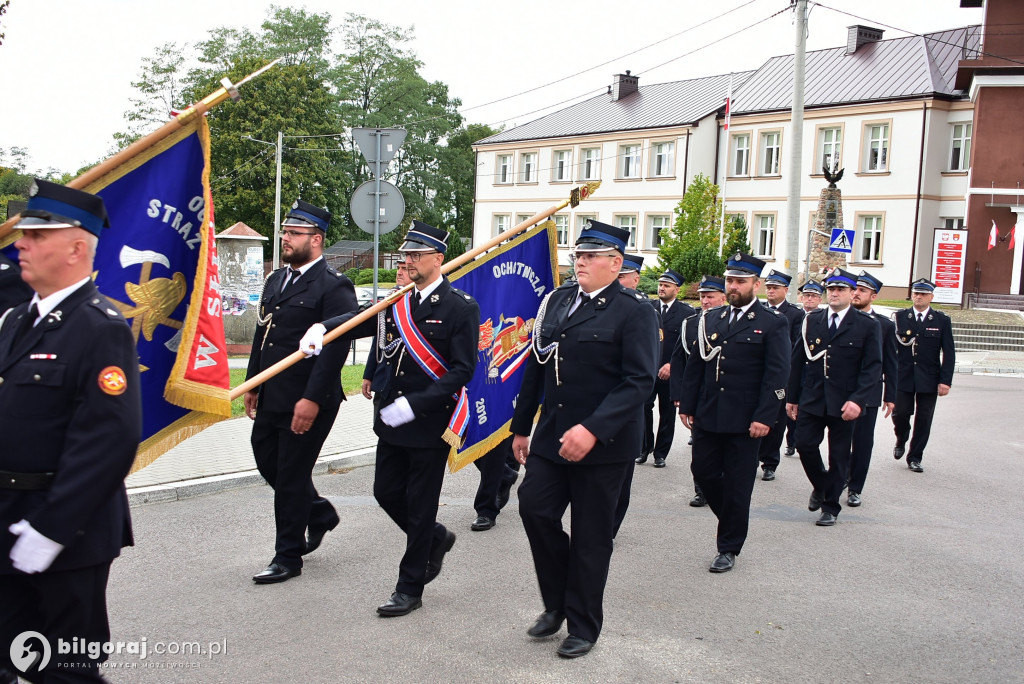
831	177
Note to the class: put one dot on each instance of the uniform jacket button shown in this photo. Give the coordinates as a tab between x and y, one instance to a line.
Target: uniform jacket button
399	394
36	377
1	381
559	406
277	308
401	372
273	325
563	336
721	389
271	344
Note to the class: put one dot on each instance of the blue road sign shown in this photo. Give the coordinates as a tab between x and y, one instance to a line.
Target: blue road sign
842	241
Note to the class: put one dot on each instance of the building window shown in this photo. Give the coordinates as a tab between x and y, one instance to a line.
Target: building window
656	224
504	166
561	166
829	146
663	159
590	163
562	230
770	153
764	235
629	164
960	157
869	236
953	223
528	167
628	222
501	223
876	147
740	165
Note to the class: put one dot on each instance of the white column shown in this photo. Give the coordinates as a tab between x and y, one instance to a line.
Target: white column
1018	249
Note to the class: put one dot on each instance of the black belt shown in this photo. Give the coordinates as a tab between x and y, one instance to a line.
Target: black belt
26	481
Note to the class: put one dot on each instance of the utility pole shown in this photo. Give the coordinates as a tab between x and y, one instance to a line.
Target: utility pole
790	254
277	205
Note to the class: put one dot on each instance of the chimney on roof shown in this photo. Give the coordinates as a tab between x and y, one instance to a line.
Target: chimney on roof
624	85
858	35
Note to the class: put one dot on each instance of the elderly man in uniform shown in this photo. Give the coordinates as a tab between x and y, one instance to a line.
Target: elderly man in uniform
810	296
293	412
71	414
732	386
776	286
926	363
595	352
864	430
711	291
837	363
427	341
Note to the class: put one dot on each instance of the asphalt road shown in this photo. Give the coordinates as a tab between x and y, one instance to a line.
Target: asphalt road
922	583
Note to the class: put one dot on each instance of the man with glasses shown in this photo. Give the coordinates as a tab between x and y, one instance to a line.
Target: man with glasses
427	342
293	412
595	353
836	365
733	384
926	363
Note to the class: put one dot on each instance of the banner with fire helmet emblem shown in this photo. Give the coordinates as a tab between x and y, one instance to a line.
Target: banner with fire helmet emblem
509	284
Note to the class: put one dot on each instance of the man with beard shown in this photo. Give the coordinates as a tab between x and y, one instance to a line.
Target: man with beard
293	411
732	385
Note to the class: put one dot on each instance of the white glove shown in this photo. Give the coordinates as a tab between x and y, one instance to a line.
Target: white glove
312	343
398	413
32	552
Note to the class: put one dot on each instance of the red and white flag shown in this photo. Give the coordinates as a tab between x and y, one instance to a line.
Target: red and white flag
728	114
993	236
1013	238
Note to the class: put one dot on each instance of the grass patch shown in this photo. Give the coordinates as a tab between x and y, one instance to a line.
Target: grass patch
351	380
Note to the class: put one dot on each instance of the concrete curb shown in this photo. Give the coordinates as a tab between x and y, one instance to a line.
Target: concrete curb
185	489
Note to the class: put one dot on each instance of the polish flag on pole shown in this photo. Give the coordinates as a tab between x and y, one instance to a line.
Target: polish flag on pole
728	102
993	236
1013	238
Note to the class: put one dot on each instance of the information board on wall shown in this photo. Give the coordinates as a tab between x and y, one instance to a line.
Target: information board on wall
949	265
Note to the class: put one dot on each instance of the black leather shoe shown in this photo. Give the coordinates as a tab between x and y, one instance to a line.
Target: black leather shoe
815	501
790	451
399	604
768	475
548	623
574	647
853	499
315	535
915	466
504	492
437	553
482	523
659	462
642	458
898	452
825	520
698	501
274	573
723	562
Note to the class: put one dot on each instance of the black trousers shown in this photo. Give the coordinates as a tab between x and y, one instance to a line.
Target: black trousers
810	430
724	468
790	431
863	443
624	494
922	422
407	485
65	605
286	460
666	421
493	474
572	570
768	452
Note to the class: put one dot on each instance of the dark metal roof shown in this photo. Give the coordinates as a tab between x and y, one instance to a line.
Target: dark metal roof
892	69
652	106
348	247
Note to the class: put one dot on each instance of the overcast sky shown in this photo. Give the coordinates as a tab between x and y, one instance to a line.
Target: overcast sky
67	65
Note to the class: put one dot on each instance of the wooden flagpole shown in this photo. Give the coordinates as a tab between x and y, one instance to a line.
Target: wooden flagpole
575	197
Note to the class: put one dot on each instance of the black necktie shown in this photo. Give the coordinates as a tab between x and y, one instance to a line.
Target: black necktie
26	323
415	299
834	325
664	309
293	275
920	318
736	313
774	308
584	298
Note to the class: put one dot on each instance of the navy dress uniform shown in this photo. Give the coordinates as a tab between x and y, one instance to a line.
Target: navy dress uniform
294	298
884	392
735	376
593	366
681	353
927	360
412	456
670	319
837	360
71	416
768	452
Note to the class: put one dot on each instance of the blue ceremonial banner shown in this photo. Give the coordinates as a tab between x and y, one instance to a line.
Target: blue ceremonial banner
157	264
508	283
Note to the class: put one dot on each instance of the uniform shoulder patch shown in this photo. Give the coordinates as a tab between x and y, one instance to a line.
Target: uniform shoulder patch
112	381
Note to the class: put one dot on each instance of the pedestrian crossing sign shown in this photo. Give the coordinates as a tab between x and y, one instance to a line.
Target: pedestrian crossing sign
842	241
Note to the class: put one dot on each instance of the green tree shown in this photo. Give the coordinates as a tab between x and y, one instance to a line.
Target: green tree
456	184
3	8
159	90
